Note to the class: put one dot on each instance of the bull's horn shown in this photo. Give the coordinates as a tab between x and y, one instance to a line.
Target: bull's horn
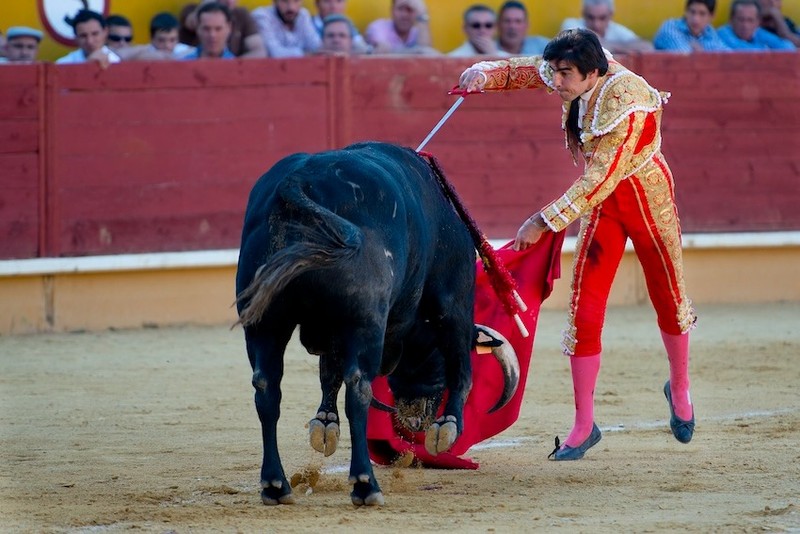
378	405
506	357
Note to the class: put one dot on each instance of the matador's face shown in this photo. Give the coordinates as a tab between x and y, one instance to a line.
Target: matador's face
569	82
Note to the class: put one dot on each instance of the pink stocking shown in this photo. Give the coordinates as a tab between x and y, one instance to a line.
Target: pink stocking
584	378
678	354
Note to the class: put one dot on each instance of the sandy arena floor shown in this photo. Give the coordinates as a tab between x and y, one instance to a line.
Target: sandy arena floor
155	431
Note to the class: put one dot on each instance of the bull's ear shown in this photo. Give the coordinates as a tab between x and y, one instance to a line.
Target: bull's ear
485	340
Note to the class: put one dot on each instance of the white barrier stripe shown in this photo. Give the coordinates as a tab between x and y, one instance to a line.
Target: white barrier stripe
228	257
709	241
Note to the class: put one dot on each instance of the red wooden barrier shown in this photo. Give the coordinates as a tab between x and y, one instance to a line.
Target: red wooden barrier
149	157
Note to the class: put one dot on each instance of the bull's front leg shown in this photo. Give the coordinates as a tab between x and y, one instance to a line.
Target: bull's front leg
441	435
358	395
324	430
266	357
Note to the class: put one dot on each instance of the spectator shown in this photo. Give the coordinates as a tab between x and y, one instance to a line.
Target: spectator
479	26
744	33
164	36
286	29
338	36
326	8
693	32
90	33
22	45
244	41
598	15
213	32
772	20
406	32
120	33
513	28
163	41
2	45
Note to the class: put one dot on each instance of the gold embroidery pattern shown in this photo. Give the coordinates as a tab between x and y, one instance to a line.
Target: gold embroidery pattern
514	73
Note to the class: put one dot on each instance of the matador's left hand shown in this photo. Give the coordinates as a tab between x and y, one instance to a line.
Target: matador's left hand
530	232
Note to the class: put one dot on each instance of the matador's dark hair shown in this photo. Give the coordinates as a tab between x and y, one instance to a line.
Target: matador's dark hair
580	47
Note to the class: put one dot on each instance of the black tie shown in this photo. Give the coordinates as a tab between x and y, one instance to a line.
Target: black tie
572	120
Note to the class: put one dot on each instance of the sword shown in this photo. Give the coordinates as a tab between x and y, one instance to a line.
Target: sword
450	111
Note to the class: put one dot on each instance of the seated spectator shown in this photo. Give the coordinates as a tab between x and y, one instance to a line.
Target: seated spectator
513	30
164	36
479	27
120	33
598	15
90	33
213	32
163	41
406	32
286	29
743	31
772	20
338	36
326	8
22	45
693	32
244	41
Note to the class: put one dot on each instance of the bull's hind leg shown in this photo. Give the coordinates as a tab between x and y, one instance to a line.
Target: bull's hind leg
324	430
266	357
361	367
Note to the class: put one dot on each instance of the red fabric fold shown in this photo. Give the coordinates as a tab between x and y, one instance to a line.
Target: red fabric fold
534	270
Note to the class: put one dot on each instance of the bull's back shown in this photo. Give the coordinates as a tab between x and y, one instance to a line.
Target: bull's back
385	192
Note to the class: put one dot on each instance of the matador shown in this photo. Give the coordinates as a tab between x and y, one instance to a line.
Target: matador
612	121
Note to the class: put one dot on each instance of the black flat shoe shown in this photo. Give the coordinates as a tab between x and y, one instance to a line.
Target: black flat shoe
682	430
576	453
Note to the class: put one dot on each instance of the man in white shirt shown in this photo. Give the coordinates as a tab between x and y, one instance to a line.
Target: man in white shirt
597	15
90	34
286	29
513	27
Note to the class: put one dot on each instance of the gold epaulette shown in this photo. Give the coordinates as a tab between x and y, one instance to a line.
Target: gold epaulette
623	94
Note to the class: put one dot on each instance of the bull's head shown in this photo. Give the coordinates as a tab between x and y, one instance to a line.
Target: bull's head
419	390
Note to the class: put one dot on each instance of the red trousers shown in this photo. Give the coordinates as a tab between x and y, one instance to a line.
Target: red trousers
626	214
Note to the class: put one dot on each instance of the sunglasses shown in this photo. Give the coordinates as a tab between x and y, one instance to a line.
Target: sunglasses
118	38
479	25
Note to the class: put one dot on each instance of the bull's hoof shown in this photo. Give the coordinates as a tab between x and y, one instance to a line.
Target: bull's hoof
276	492
324	434
441	435
365	494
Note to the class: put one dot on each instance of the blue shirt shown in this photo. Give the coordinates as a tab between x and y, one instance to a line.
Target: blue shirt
762	40
674	35
198	53
533	45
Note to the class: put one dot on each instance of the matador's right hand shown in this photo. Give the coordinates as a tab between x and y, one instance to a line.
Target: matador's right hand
472	80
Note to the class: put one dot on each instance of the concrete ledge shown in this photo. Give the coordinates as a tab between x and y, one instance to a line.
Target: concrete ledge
138	290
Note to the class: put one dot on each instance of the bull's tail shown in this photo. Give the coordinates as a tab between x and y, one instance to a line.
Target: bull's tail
329	241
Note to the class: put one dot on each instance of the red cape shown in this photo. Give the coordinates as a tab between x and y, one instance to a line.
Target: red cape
534	271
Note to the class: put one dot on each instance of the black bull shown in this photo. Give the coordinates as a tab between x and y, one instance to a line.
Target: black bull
361	249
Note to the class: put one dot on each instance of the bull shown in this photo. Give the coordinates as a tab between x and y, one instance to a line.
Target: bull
360	248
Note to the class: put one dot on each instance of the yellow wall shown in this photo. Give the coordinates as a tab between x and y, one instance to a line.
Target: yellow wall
642	16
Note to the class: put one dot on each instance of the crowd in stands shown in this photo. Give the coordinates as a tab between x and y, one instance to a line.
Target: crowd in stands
219	29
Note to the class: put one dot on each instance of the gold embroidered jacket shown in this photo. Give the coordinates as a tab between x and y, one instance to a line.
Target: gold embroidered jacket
621	136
